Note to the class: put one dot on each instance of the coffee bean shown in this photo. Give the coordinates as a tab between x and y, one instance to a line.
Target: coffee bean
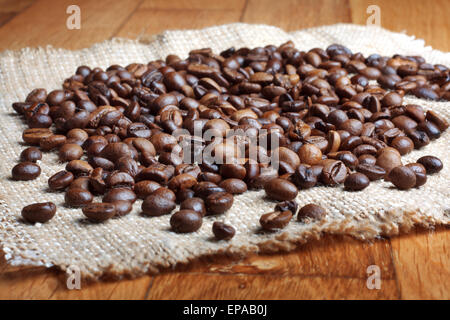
119	179
223	231
373	172
402	177
196	204
205	188
184	194
431	163
145	188
356	181
311	212
309	154
52	142
60	180
79	168
419	138
388	158
70	151
233	186
185	221
80	183
122	207
99	212
156	205
334	172
438	120
218	203
290	205
280	189
275	220
76	197
403	144
39	212
25	171
304	177
367	159
30	154
119	194
34	135
421	173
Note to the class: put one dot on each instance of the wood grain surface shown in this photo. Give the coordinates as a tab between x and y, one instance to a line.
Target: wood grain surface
414	266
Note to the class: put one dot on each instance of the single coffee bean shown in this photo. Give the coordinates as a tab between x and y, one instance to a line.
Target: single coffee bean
184	194
280	189
304	177
290	205
145	188
205	188
165	193
60	180
76	197
31	154
403	144
122	207
233	186
25	171
39	212
367	159
311	211
388	158
309	154
419	138
80	183
99	212
275	220
402	177
196	204
119	179
438	120
52	142
218	203
155	205
223	231
432	164
79	168
70	151
118	194
356	181
334	172
373	172
34	135
185	221
421	173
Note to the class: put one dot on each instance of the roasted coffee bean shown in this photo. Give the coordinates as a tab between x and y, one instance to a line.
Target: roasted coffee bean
402	177
79	168
80	183
334	172
185	221
356	181
419	138
421	173
367	159
430	129
184	194
34	135
30	154
99	212
205	188
52	142
280	189
290	205
236	171
165	193
309	154
145	188
122	207
76	197
431	163
25	171
196	204
223	231
119	194
70	151
304	177
39	212
311	212
403	144
439	121
388	158
373	172
155	205
276	220
60	180
218	203
119	179
233	186
182	181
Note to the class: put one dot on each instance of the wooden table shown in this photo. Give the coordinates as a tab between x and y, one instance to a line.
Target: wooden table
414	266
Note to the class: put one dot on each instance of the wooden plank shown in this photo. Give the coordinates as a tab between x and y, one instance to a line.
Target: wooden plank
424	19
44	23
422	263
237	5
294	15
14	5
207	286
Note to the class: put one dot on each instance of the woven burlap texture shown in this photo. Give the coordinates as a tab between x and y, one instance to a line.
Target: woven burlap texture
134	245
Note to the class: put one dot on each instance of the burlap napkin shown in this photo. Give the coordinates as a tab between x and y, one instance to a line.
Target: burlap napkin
134	245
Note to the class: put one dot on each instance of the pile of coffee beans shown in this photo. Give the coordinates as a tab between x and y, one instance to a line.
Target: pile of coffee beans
333	117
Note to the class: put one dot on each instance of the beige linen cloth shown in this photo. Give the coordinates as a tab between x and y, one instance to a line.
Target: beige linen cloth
134	245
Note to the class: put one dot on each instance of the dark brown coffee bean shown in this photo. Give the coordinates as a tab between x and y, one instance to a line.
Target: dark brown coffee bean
156	205
182	181
223	231
373	172
145	188
115	151
233	186
421	173
304	177
402	177
290	205
99	212
80	183
439	121
403	144
76	197
388	158
334	172
30	154
60	180
70	151
79	168
280	189
430	129
432	164
276	220
52	142
184	194
218	203
119	194
122	207
33	136
356	181
25	171
185	221
311	212
119	179
309	154
205	188
196	204
419	138
236	171
39	212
